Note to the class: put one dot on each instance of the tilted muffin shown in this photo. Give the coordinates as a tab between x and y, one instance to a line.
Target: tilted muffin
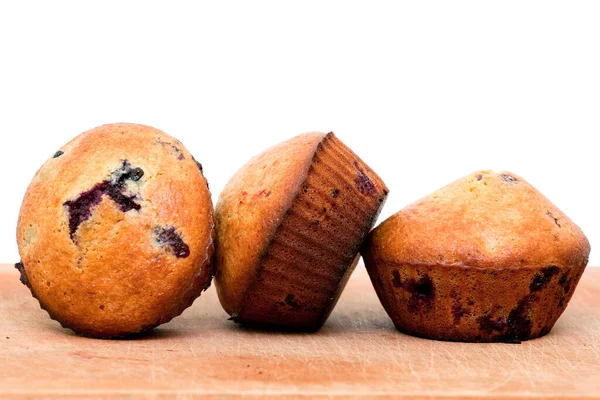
289	226
116	231
486	258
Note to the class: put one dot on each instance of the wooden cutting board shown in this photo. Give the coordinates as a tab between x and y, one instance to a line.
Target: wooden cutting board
357	354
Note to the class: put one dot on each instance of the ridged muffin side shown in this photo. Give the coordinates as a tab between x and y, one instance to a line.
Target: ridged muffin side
312	247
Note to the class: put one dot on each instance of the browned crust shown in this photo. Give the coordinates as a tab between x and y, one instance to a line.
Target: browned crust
486	258
250	207
461	303
111	279
313	251
487	222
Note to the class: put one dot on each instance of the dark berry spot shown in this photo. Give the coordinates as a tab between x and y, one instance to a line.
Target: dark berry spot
563	279
168	238
508	178
291	300
548	213
23	277
489	324
198	165
263	193
58	154
175	149
519	324
565	282
396	279
335	192
479	177
102	307
362	181
80	209
541	278
422	292
126	203
135	174
126	173
457	311
515	328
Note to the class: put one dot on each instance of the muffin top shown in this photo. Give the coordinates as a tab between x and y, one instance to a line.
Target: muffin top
486	220
117	226
251	207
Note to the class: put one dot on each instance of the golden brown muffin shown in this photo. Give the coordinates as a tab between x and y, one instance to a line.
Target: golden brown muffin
486	258
289	226
116	231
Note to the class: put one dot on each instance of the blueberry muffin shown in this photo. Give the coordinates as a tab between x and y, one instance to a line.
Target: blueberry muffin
485	259
116	231
289	226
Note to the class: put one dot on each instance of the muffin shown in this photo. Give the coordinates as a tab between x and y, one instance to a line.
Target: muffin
289	227
485	259
116	231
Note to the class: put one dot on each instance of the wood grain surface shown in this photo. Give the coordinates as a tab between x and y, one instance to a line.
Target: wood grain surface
358	353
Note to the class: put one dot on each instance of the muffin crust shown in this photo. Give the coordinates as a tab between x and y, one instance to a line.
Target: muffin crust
289	226
116	231
486	258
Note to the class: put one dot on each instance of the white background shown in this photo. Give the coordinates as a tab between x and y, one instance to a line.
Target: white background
424	92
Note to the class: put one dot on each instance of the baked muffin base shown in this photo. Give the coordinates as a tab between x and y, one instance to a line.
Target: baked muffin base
469	304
